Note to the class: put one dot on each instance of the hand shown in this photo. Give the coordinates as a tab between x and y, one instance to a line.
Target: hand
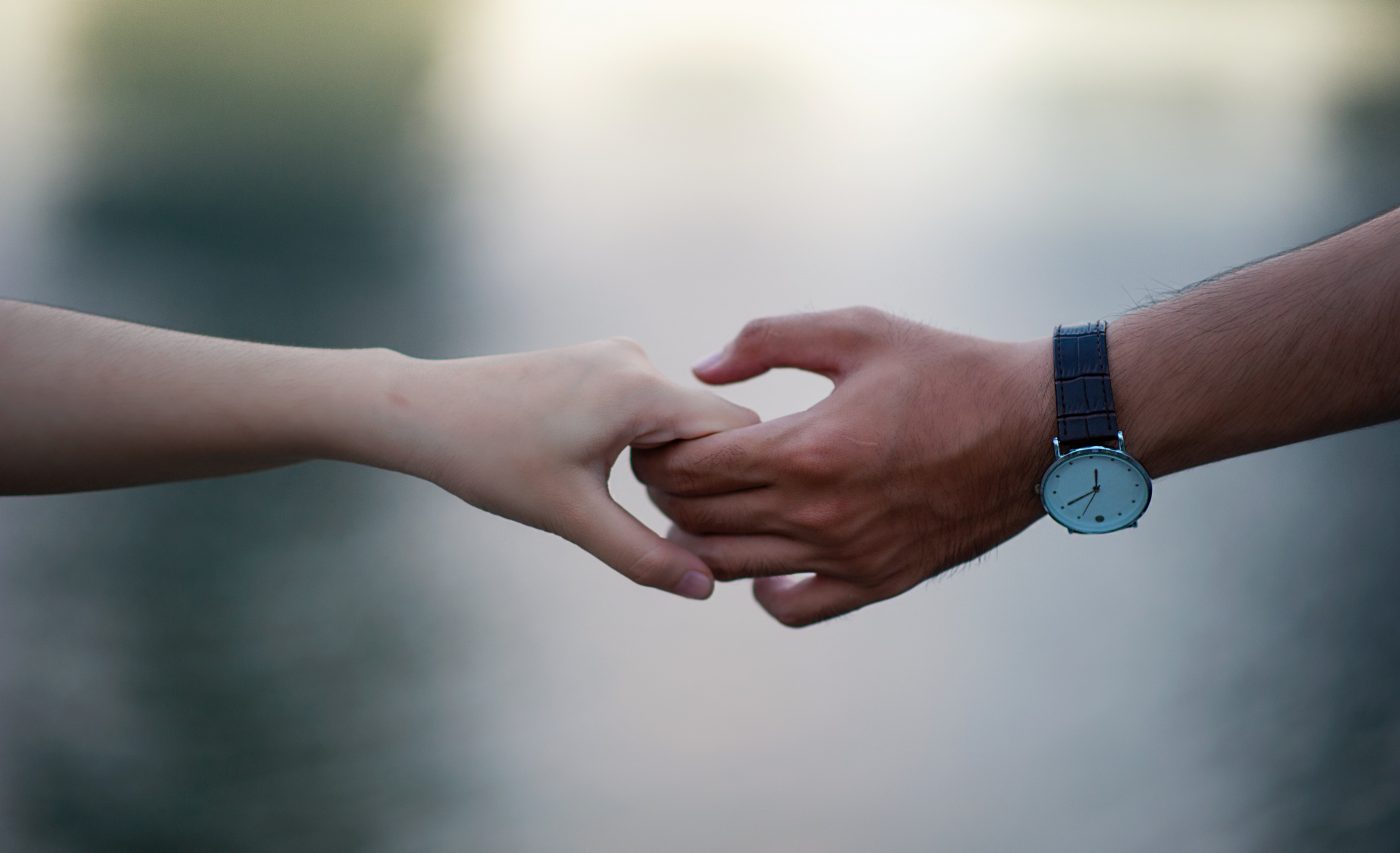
532	437
925	455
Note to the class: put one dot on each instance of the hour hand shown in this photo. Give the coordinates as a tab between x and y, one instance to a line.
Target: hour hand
1081	497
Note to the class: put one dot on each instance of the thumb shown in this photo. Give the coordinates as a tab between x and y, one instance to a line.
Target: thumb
613	535
824	342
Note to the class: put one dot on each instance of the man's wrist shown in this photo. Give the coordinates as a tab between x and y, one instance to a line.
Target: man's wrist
1149	428
1030	407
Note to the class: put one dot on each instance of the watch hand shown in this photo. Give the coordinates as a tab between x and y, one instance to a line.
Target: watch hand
1081	497
1092	495
1096	479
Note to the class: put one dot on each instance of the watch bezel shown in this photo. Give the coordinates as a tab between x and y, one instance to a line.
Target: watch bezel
1078	452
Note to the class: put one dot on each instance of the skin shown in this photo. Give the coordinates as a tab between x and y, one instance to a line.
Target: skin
93	403
927	452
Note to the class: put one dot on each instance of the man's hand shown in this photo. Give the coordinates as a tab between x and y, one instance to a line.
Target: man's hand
924	456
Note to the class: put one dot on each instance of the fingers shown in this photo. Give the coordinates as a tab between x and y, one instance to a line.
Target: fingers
824	342
800	602
675	412
748	511
613	535
712	465
734	557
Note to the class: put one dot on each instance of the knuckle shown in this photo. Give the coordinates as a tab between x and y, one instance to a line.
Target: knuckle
727	457
734	567
862	324
864	317
680	478
812	454
687	468
805	456
689	516
683	472
617	370
865	324
649	569
642	399
626	358
625	345
755	333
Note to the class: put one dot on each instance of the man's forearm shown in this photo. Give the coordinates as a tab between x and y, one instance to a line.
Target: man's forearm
87	402
928	450
1298	346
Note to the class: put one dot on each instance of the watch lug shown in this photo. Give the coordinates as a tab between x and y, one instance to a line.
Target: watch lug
1056	442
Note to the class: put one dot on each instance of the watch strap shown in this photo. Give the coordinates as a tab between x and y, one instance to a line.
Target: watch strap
1084	413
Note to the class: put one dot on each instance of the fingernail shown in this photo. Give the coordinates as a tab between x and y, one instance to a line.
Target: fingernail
695	585
708	361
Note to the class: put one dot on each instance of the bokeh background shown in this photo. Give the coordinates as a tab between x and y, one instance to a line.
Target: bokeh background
329	658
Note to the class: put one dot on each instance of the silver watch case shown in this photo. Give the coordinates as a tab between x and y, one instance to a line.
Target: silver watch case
1120	453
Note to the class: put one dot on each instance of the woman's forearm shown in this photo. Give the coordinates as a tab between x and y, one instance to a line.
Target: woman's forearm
89	403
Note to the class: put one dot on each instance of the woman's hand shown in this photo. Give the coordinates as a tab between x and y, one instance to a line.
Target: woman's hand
533	436
93	403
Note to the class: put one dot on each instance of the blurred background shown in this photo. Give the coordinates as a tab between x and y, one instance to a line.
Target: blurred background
328	658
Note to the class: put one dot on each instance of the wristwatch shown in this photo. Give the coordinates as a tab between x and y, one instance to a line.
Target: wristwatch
1090	487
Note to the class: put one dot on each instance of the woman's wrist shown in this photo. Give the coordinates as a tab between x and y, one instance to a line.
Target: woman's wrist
364	402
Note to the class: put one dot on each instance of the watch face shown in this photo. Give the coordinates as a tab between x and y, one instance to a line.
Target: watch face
1095	490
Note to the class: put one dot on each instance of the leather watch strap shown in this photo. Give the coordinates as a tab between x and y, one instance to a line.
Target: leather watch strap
1084	413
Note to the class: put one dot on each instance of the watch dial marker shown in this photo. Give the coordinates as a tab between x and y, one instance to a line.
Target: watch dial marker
1103	492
